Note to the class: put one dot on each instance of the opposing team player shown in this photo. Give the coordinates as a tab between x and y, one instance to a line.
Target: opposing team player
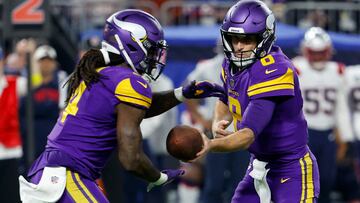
351	189
108	100
265	102
325	106
352	75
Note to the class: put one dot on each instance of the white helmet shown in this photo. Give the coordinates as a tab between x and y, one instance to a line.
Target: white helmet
317	47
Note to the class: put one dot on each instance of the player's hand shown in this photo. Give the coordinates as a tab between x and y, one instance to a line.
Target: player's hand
202	89
171	175
218	129
204	150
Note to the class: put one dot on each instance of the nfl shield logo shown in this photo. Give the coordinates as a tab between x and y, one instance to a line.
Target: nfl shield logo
54	179
232	82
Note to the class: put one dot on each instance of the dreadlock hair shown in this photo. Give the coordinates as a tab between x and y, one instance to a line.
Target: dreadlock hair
85	70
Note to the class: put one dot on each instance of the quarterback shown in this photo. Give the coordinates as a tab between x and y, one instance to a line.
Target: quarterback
264	101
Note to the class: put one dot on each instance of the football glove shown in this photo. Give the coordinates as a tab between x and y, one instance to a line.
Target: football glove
202	89
166	177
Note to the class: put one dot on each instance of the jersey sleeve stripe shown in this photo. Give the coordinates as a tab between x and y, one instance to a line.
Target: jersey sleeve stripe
287	78
271	88
135	96
133	100
126	93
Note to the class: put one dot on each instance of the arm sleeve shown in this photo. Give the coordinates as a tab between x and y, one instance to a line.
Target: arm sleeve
258	114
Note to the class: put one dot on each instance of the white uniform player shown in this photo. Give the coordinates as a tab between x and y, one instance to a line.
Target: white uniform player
325	106
325	102
352	75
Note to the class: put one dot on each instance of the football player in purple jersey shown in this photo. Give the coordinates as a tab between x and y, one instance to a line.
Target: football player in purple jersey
109	96
265	104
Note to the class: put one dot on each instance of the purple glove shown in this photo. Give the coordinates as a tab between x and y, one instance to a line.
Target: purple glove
202	89
166	177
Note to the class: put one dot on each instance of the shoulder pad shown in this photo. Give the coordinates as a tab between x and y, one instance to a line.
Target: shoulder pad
269	67
271	76
133	89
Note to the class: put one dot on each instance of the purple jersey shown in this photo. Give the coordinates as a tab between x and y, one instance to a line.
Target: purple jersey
85	133
285	137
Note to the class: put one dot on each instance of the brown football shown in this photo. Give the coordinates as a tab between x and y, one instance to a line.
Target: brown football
184	142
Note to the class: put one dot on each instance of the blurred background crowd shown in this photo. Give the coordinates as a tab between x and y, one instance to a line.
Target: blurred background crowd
43	40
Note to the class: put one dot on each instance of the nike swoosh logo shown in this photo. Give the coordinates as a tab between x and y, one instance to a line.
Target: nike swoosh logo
283	180
269	71
198	92
142	84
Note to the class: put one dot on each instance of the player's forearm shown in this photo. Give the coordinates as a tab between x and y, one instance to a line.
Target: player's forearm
131	155
143	168
239	140
161	102
221	112
140	165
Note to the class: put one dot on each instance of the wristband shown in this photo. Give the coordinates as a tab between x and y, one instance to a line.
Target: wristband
178	92
163	178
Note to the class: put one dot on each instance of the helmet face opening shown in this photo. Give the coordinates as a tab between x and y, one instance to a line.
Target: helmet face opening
155	61
138	37
241	58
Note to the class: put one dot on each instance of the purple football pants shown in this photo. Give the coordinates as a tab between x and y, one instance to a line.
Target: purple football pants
294	182
78	189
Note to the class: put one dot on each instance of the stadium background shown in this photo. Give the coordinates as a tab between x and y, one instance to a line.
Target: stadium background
191	29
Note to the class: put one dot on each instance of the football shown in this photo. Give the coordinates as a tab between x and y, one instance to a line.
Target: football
184	142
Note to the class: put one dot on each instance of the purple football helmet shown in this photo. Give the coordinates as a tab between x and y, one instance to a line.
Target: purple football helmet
248	18
139	38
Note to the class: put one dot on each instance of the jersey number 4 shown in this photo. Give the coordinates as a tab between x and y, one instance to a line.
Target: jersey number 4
72	107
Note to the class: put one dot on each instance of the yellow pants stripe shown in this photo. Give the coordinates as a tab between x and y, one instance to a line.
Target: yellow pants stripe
307	183
309	175
76	192
85	188
302	180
